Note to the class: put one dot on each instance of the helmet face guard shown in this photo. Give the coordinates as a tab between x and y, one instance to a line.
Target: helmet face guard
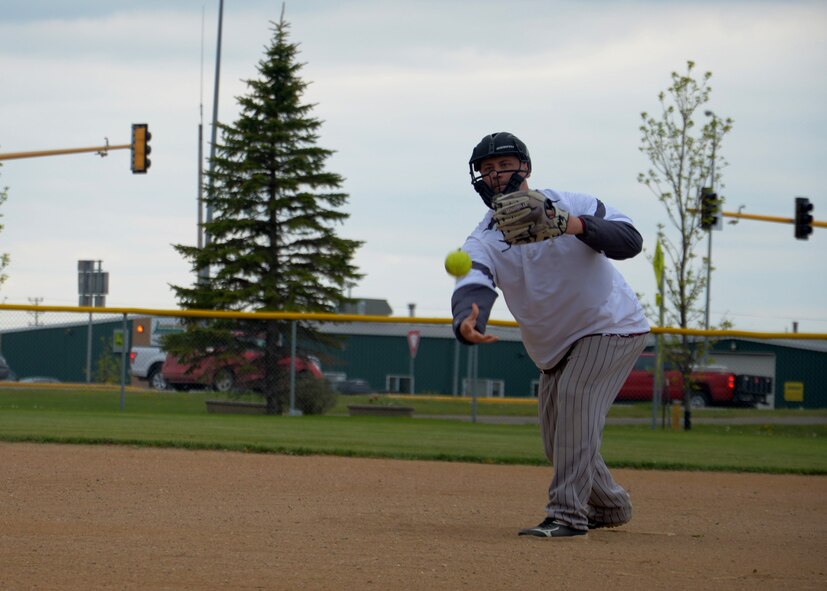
497	144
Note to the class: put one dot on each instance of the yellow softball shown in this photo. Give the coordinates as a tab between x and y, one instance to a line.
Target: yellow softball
458	263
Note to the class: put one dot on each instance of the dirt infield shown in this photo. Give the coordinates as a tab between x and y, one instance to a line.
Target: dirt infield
100	517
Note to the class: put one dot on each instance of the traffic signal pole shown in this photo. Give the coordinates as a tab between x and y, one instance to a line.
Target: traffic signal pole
102	150
764	218
767	218
139	146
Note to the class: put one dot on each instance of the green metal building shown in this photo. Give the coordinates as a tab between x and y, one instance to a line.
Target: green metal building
65	351
381	354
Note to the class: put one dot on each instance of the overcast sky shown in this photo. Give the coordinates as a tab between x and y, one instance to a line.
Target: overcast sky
405	90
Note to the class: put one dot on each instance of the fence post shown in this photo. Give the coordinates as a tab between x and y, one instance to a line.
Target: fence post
455	385
124	357
472	379
89	351
657	390
292	368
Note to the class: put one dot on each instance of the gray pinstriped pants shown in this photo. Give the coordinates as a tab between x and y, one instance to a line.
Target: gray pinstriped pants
575	398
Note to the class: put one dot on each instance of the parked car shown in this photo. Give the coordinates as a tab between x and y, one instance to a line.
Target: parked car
223	372
355	386
6	373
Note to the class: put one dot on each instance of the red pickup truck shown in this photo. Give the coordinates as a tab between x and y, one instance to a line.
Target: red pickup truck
224	373
713	385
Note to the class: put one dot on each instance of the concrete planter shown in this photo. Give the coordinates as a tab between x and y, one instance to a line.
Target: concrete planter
379	410
237	407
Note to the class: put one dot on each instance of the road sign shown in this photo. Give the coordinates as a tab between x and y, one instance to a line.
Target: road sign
117	340
413	342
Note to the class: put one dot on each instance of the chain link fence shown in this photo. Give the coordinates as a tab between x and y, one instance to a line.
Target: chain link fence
292	357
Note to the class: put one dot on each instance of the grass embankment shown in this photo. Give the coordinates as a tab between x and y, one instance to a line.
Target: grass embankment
180	420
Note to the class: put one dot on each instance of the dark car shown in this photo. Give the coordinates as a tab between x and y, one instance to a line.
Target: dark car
6	372
355	386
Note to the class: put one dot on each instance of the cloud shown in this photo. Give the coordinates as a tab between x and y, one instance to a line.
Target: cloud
405	91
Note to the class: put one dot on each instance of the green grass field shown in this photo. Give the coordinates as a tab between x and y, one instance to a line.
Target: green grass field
181	420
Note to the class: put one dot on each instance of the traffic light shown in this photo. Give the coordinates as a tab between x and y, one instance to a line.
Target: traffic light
803	218
709	208
140	148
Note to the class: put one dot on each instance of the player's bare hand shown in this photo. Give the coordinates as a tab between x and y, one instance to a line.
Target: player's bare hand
468	329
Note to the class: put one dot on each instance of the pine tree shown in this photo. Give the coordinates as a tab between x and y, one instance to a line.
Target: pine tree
272	244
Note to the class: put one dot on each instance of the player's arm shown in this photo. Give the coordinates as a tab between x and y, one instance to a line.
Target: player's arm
617	239
471	306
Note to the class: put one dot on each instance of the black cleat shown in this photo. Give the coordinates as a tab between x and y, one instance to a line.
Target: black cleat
550	528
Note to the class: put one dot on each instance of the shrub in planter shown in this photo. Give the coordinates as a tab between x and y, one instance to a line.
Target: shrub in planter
313	396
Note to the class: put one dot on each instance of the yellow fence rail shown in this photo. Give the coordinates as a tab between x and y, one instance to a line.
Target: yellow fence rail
323	317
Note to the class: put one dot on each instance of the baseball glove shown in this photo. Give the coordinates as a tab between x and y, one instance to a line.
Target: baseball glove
528	216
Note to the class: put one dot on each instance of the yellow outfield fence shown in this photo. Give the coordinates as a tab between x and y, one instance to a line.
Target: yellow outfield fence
358	354
338	318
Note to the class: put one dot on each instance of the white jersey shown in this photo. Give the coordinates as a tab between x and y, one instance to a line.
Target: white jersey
557	290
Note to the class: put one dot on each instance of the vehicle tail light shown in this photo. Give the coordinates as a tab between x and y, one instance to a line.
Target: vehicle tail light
132	356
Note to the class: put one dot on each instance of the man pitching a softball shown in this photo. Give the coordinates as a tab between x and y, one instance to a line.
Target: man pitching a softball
548	253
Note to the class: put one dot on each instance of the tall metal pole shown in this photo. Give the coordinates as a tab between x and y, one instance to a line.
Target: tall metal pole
214	131
200	199
709	234
200	192
708	288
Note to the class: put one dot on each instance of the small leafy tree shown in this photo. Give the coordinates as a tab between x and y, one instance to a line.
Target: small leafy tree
684	159
4	257
272	244
107	367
